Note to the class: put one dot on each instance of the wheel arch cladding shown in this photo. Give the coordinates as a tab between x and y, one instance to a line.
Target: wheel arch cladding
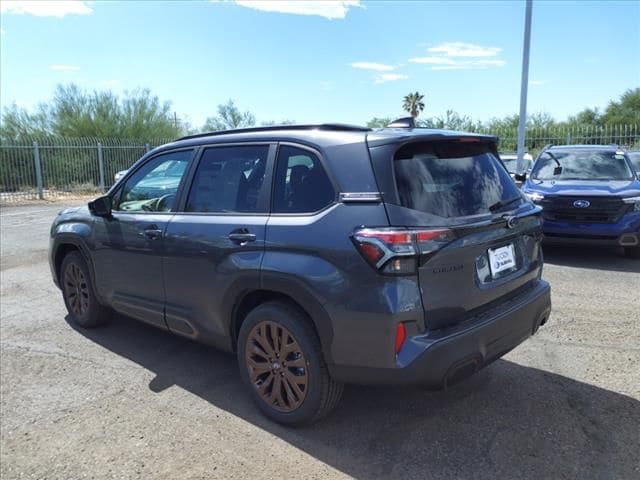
304	302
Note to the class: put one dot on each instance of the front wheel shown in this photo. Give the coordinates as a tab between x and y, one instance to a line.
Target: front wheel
78	293
632	252
281	364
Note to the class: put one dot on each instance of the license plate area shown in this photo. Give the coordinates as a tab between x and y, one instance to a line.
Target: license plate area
502	260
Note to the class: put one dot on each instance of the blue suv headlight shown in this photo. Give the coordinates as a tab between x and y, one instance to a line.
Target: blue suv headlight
635	201
535	197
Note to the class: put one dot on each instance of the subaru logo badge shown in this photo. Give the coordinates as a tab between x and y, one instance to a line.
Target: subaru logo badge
512	222
581	203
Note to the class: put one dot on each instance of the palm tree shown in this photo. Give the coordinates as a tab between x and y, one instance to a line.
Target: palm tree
413	104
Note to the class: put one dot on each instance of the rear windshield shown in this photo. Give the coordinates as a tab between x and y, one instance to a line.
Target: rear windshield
581	165
453	179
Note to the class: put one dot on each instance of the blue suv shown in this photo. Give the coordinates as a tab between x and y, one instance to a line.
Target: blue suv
590	194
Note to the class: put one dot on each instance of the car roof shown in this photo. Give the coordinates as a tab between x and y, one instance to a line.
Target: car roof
323	135
391	135
584	147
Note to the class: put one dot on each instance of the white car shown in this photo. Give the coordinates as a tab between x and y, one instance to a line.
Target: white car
119	175
510	161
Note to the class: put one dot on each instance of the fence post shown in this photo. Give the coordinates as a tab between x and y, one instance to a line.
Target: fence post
100	167
569	138
146	147
36	159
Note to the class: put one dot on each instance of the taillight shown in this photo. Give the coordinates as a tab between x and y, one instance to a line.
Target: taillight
397	250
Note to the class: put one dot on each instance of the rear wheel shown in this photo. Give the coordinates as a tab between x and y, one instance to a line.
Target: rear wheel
281	364
632	252
78	294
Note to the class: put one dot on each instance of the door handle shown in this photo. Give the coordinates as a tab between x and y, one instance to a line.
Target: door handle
242	236
152	232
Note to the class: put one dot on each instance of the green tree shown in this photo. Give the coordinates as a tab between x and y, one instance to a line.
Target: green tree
75	112
626	111
413	104
271	123
379	122
229	117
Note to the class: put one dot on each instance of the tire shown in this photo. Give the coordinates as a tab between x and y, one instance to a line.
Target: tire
632	252
78	293
300	364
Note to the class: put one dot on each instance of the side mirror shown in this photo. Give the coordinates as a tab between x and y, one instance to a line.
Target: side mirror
101	206
557	171
520	177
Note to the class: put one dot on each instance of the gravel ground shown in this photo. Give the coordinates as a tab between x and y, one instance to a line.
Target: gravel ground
129	401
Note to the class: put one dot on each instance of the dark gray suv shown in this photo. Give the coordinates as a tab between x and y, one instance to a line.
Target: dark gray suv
320	255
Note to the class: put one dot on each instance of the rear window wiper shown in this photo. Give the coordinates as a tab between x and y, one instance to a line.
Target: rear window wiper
503	203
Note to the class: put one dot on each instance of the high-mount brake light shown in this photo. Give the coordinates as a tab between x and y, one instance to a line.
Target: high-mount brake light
396	250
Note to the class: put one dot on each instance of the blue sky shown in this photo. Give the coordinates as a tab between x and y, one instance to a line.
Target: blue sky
324	61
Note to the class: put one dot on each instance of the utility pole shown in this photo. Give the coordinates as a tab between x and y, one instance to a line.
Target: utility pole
524	85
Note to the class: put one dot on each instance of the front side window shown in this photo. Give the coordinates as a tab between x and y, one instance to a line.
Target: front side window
301	183
581	165
635	160
228	180
452	179
153	187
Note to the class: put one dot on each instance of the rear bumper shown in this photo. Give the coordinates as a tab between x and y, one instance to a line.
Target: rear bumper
441	358
625	232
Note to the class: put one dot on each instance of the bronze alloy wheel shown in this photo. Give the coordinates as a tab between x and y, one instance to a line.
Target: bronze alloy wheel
76	289
277	367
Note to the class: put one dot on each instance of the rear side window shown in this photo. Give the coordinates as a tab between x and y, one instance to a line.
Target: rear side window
452	179
228	180
301	184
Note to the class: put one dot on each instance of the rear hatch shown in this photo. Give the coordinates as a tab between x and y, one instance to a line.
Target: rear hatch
486	245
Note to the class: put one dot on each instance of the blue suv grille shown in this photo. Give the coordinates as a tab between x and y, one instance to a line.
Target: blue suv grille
583	209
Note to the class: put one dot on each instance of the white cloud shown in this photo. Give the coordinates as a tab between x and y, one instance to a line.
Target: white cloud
459	49
460	56
378	67
389	77
64	68
433	60
537	82
48	8
488	63
331	9
451	67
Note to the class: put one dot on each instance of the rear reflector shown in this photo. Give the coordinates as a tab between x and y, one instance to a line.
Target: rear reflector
401	336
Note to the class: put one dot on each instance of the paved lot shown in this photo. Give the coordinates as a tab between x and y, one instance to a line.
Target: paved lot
127	400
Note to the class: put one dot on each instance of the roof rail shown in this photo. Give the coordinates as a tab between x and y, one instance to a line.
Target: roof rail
338	127
404	122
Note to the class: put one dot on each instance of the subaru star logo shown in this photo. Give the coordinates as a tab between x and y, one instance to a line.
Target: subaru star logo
581	203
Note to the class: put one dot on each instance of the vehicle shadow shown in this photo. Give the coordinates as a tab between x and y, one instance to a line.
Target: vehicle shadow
509	421
599	258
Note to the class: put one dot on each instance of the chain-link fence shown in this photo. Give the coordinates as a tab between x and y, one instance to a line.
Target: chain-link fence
53	166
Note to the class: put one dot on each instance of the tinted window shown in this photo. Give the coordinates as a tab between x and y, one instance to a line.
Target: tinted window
153	187
228	179
302	185
452	179
581	165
